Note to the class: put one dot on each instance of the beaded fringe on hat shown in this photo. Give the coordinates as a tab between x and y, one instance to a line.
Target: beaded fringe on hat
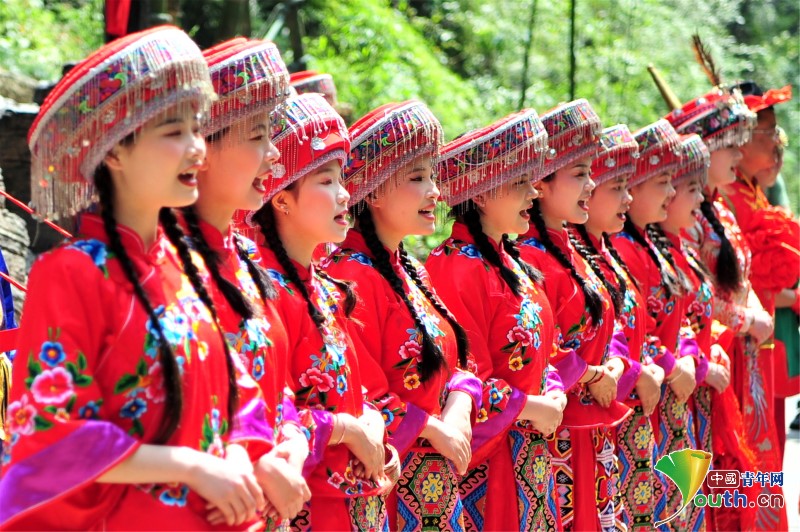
659	151
573	133
617	155
117	97
695	160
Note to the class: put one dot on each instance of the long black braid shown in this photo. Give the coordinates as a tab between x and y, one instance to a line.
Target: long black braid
617	257
659	237
173	403
169	223
468	213
728	274
670	283
583	244
232	293
265	218
593	300
660	240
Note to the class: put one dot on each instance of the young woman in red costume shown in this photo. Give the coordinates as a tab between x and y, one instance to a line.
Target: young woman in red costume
651	191
413	345
124	405
240	157
583	446
640	385
724	123
306	205
487	177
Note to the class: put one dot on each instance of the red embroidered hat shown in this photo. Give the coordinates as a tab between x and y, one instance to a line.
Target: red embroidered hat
720	117
310	81
105	98
659	151
768	99
484	159
695	160
617	155
387	139
250	77
573	131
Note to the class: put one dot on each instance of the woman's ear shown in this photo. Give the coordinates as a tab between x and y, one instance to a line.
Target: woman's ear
112	159
280	202
480	200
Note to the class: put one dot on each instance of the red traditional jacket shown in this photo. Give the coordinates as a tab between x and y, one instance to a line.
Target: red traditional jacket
579	341
88	388
666	313
511	336
323	374
260	342
392	343
630	322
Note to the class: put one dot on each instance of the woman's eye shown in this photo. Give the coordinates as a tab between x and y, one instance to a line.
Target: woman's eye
417	179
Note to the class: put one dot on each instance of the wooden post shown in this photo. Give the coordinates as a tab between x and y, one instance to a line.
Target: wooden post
572	49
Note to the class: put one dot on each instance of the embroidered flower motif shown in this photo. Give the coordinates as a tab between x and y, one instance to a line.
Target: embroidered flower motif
432	487
495	395
642	493
642	438
335	479
133	409
411	350
539	469
52	386
258	368
153	383
520	335
411	382
482	416
388	416
360	258
469	250
21	417
341	384
175	495
94	248
90	410
313	377
515	363
52	354
654	305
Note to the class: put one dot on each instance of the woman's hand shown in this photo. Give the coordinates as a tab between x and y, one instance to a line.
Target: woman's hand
604	390
284	486
648	388
545	412
365	441
683	383
718	376
761	327
457	412
450	442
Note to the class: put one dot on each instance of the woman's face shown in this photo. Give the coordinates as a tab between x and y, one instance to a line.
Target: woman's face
565	197
681	210
650	200
405	204
237	165
159	169
607	206
723	165
505	209
315	209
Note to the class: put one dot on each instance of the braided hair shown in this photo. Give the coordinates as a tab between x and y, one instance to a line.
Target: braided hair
584	246
660	240
232	292
169	223
671	284
173	404
469	214
432	358
265	218
592	298
728	275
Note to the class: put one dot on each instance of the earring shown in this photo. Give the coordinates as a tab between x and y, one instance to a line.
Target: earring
286	210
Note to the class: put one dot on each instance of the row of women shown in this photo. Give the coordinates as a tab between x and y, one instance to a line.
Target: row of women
188	361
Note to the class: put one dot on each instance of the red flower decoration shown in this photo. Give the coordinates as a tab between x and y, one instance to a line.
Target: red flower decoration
774	238
313	377
520	335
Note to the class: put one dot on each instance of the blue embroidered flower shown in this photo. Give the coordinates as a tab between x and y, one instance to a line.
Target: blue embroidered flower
495	395
133	409
670	307
258	368
175	496
52	354
215	420
533	242
341	384
277	277
388	416
470	251
94	248
572	343
361	259
90	410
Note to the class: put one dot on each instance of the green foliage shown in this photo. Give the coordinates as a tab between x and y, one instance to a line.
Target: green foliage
37	37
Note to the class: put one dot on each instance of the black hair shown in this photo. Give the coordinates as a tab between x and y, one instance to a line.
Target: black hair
432	358
728	275
593	299
231	291
662	243
173	404
583	244
265	218
669	281
469	214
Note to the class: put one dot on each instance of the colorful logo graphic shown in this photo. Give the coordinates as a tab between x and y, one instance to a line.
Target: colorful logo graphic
687	469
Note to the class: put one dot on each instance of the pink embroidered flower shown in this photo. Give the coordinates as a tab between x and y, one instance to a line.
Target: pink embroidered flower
52	386
411	349
155	385
696	309
313	377
654	305
520	335
20	417
336	480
